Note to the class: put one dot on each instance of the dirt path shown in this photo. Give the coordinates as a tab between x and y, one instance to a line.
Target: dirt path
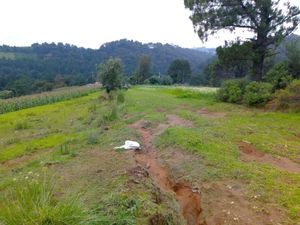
187	197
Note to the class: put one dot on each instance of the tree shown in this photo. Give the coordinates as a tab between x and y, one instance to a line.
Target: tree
180	71
110	74
269	21
235	58
292	50
143	70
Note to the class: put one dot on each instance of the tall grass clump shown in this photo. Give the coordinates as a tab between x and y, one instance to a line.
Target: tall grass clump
32	202
24	102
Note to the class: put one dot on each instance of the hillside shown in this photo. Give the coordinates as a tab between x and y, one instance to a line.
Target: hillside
69	65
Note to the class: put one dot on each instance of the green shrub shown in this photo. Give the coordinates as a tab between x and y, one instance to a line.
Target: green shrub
279	76
154	80
166	80
232	91
257	94
289	99
6	94
32	202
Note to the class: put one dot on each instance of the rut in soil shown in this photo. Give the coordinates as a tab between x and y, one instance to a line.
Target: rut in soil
187	197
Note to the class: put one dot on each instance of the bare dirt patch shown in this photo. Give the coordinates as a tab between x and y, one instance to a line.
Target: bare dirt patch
227	203
208	114
250	154
177	121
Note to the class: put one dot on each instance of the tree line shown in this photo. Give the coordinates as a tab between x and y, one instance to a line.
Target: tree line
42	67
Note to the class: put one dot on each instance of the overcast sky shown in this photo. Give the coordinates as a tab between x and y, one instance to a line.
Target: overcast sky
90	23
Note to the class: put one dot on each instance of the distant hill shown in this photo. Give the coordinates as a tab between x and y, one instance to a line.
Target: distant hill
68	64
161	55
281	49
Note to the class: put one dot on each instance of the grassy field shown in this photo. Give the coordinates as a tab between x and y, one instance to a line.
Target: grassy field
244	161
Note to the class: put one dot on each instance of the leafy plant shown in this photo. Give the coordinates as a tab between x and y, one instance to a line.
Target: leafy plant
232	91
257	94
110	74
289	99
279	76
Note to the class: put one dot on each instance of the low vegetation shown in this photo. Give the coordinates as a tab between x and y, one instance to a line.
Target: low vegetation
73	141
10	105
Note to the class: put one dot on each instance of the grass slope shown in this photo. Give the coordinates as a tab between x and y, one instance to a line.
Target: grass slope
73	141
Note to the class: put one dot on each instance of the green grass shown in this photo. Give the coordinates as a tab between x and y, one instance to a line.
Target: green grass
64	134
24	102
32	201
216	140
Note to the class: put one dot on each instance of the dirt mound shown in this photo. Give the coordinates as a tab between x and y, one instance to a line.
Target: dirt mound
250	154
250	150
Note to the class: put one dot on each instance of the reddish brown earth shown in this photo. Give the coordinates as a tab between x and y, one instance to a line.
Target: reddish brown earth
228	203
249	153
187	197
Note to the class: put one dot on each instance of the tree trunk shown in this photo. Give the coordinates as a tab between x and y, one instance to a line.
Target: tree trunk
258	64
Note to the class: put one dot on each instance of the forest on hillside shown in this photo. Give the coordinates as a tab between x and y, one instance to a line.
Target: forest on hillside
41	67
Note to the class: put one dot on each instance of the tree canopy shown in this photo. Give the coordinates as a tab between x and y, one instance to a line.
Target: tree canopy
269	21
180	71
110	74
144	69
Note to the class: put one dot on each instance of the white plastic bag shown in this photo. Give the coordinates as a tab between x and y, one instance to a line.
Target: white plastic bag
130	145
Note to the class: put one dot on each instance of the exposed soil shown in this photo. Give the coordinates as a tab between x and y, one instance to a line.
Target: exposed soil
249	153
227	203
208	114
187	197
177	121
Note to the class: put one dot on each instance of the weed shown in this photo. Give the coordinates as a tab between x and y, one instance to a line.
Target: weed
93	138
120	97
65	149
21	125
32	201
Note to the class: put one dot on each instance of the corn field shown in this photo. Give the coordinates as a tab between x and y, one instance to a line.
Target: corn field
24	102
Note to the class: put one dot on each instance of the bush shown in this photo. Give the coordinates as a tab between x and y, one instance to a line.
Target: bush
166	80
289	99
6	94
153	80
156	80
232	91
257	94
279	76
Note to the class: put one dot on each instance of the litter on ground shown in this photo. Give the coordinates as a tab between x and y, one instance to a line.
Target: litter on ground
130	145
